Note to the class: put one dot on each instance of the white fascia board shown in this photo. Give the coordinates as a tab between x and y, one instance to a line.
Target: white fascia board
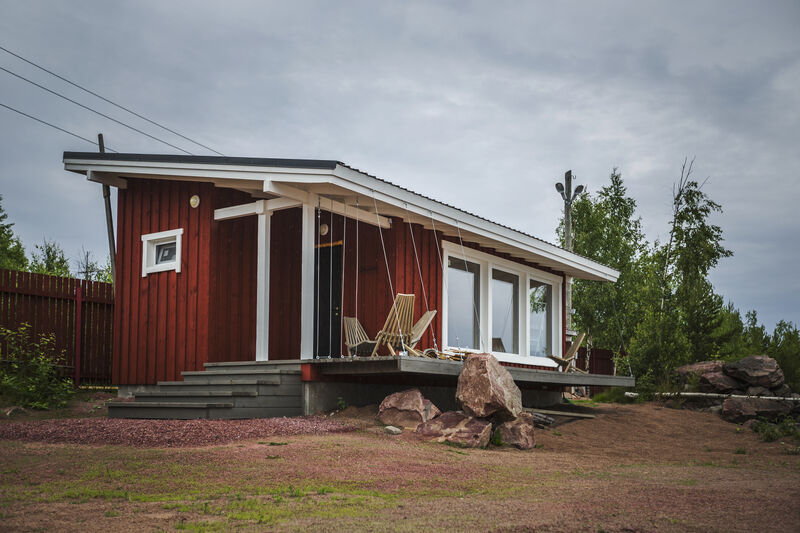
394	195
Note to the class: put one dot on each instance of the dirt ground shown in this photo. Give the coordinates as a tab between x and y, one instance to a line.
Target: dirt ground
632	468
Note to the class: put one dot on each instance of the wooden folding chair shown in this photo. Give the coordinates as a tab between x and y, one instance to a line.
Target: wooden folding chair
355	338
418	330
567	363
396	332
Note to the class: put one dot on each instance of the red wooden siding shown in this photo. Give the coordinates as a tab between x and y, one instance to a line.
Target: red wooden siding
50	304
233	282
284	284
162	320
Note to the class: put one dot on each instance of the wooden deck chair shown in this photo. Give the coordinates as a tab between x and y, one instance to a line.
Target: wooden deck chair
397	326
418	330
567	363
355	338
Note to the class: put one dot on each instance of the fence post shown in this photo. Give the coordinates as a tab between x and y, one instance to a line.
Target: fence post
78	330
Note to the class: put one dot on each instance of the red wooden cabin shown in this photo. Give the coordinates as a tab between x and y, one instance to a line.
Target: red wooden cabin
245	259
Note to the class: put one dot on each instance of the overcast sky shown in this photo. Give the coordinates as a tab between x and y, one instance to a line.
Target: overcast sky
481	104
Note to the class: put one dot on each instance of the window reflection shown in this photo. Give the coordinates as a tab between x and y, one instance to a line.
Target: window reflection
463	303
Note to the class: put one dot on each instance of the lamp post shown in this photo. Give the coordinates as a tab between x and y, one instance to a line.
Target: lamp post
565	189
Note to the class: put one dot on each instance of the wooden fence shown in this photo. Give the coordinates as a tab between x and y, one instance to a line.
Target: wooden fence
79	313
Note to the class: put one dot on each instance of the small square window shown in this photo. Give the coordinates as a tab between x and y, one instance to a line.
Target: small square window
165	252
161	251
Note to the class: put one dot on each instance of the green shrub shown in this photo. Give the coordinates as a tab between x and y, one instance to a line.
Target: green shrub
612	395
496	439
770	432
28	372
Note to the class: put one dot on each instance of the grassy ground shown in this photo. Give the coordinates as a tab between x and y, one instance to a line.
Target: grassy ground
633	468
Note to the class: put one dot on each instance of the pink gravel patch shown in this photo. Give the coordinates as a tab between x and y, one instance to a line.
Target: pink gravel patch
166	433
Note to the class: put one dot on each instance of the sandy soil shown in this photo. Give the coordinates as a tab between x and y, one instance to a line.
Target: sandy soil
633	468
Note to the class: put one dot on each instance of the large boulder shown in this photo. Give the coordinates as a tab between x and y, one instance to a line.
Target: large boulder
756	370
518	432
758	391
784	391
457	428
717	382
742	409
697	369
485	389
406	409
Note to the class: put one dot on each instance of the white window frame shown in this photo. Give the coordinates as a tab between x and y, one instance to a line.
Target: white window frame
487	263
149	243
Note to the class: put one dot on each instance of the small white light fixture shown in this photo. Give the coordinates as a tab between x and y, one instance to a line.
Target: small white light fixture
323	229
194	201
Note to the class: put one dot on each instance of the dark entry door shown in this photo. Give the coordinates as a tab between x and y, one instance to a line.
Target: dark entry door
328	294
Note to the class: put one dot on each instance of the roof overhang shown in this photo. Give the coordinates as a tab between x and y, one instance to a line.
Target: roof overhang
320	181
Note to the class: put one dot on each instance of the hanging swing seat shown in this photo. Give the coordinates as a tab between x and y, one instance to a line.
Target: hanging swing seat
396	332
355	338
567	363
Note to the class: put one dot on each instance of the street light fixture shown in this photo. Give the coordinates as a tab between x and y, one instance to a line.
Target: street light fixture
565	190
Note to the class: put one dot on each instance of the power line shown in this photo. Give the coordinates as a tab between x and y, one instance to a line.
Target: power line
95	111
52	125
109	101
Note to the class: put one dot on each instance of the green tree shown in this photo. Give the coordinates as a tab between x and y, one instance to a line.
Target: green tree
87	268
12	254
784	347
49	258
607	229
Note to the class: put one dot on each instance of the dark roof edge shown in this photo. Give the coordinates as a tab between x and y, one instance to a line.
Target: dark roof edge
206	160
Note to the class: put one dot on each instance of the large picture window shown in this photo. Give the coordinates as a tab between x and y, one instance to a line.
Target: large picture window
463	303
505	312
540	309
505	307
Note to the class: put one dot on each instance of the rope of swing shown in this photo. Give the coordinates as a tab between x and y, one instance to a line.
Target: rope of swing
421	281
388	273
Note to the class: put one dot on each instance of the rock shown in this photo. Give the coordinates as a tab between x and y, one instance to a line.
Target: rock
749	424
716	409
717	382
519	432
485	388
756	370
758	391
14	411
457	428
784	391
406	409
697	369
391	430
742	409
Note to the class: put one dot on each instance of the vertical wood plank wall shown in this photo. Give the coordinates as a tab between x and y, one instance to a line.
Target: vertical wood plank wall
233	282
166	322
162	320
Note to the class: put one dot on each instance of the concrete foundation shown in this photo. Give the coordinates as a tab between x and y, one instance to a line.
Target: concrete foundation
323	397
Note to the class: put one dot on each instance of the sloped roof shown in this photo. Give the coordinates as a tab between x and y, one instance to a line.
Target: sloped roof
574	264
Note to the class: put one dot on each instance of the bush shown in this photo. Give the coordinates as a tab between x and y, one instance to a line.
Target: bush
28	374
770	432
612	395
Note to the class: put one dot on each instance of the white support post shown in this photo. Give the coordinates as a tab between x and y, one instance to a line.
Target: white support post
307	283
262	287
